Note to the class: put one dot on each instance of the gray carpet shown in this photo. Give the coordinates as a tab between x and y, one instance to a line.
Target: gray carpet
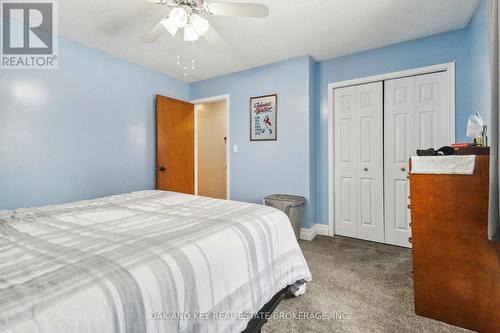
359	286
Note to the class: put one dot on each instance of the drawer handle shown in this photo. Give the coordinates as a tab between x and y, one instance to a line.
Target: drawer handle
409	240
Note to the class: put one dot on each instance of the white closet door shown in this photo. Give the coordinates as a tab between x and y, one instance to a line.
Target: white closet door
399	121
370	162
358	162
416	116
432	116
345	167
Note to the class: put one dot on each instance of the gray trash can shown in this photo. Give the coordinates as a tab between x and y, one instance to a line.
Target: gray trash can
291	205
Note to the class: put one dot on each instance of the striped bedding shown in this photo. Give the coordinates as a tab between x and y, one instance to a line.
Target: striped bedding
147	261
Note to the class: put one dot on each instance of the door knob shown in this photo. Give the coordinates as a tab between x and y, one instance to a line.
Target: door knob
161	168
403	169
366	169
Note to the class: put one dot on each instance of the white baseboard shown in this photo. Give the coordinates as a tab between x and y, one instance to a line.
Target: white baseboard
323	230
308	234
317	229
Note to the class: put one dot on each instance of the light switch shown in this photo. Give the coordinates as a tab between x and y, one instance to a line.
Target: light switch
235	148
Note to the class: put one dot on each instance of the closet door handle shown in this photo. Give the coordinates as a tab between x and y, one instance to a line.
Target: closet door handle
366	169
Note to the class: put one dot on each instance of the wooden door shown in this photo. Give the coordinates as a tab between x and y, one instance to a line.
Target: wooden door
174	145
358	162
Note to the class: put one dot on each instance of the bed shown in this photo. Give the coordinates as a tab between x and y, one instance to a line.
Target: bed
149	261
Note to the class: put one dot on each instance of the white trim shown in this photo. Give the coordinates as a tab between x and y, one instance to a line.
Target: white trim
331	189
448	67
317	229
394	75
323	230
219	98
308	234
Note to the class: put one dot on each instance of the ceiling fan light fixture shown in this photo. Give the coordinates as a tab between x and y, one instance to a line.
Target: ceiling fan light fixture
190	34
200	24
179	16
170	25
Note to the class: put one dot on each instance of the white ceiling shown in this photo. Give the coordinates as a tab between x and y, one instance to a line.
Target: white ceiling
322	28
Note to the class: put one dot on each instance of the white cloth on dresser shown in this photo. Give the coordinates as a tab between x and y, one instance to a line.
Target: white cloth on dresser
443	165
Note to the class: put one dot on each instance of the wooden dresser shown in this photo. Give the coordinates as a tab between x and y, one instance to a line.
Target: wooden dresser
456	269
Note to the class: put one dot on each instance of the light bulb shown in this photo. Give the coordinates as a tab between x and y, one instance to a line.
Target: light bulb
179	16
200	24
170	25
190	34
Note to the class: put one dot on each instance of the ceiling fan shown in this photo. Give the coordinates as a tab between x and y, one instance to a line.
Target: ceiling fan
188	15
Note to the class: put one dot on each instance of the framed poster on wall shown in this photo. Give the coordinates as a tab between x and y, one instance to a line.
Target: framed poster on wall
263	118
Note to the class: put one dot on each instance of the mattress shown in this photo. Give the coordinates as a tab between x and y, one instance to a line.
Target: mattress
148	261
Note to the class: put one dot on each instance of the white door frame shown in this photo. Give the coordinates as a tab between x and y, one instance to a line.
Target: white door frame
219	98
446	67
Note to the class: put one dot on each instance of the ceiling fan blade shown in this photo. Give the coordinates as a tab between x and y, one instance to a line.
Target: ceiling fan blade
152	35
215	39
238	9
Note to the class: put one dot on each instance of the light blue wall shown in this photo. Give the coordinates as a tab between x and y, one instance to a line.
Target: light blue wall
466	47
263	168
423	52
87	129
83	131
478	46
